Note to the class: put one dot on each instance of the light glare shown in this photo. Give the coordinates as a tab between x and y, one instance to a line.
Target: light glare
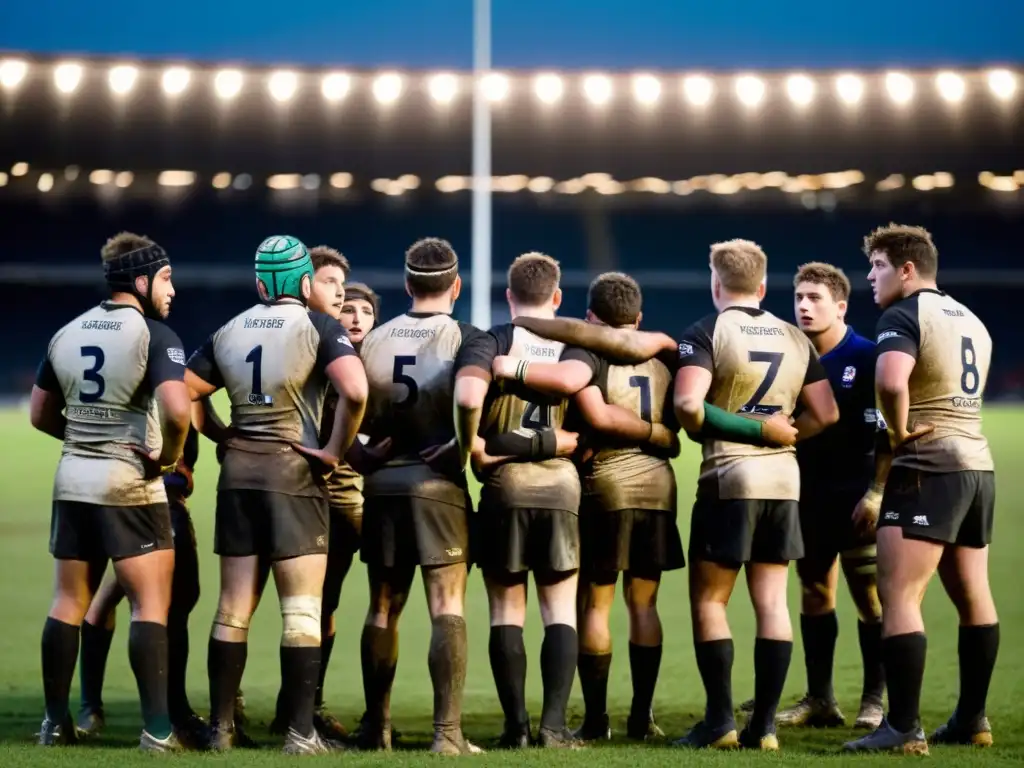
850	88
801	89
387	87
228	83
698	90
175	80
951	86
597	88
335	86
646	89
750	90
67	77
12	72
495	86
443	88
282	85
1002	83
900	87
122	78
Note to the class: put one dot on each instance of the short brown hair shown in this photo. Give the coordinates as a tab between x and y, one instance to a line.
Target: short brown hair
533	278
902	243
820	273
363	292
431	266
325	256
615	299
740	265
122	243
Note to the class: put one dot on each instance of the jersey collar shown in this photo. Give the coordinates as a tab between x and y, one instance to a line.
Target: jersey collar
842	342
110	306
421	315
752	311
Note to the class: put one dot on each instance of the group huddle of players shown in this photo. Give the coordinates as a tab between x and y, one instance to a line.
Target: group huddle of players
347	435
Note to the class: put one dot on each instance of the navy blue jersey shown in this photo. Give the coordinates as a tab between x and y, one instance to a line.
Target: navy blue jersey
843	455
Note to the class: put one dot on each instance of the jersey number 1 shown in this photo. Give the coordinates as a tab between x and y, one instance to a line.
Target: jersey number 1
643	383
256	396
774	360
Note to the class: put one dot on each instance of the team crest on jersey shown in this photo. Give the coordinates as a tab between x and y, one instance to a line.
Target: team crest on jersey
685	350
345	340
849	374
176	354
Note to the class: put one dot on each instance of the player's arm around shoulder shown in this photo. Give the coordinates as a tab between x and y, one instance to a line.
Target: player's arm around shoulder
472	372
627	345
575	370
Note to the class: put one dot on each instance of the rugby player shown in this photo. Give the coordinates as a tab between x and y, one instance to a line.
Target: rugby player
416	504
276	361
938	503
98	627
839	501
528	514
110	387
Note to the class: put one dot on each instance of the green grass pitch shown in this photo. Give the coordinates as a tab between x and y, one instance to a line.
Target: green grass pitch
25	480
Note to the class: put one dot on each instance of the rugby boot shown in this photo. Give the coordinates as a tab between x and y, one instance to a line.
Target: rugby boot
192	731
370	737
90	723
703	737
328	726
870	715
812	712
643	728
225	736
594	729
768	742
452	742
297	744
977	734
885	738
515	736
54	734
548	738
241	719
150	743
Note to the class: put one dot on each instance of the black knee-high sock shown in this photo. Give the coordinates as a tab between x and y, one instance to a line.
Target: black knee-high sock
594	669
379	655
644	665
558	654
977	650
93	664
904	657
225	663
60	651
300	670
714	662
508	665
447	660
326	647
177	666
147	653
870	636
819	634
771	664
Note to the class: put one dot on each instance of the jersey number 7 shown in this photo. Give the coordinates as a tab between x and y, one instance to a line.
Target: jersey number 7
774	360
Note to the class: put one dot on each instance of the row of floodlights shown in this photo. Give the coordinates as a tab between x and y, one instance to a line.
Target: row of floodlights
603	183
549	88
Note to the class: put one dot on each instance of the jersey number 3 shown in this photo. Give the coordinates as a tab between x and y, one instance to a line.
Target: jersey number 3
774	360
92	374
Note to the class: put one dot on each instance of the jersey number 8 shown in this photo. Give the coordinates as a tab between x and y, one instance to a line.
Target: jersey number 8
970	379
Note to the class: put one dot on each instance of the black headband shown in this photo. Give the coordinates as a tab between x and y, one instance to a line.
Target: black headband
142	262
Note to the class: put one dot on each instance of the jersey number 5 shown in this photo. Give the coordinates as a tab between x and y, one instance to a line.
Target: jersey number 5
774	360
970	379
92	374
399	377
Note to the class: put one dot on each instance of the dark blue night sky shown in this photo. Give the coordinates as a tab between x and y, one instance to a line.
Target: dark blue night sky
613	34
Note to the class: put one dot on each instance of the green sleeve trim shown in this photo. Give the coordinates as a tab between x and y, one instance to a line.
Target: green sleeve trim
722	425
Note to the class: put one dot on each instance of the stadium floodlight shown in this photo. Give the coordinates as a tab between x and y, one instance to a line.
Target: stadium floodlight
951	86
19	169
12	72
175	80
3	179
124	179
1002	83
750	90
900	87
176	178
282	85
646	89
67	77
597	88
222	180
122	78
228	83
850	88
443	87
45	183
698	90
495	85
387	87
549	88
801	89
335	86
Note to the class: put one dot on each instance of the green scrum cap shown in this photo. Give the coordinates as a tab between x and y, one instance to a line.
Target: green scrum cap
281	262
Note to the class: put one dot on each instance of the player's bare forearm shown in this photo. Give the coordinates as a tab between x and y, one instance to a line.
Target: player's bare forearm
691	388
198	388
349	379
892	387
175	408
820	410
46	412
612	420
623	344
565	378
883	461
470	392
208	423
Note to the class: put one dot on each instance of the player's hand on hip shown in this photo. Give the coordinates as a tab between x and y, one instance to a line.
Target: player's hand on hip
865	514
565	442
151	466
778	429
504	367
444	459
367	459
918	431
320	461
665	440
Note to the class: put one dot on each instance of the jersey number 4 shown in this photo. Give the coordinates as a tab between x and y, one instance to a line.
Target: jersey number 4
536	416
92	374
774	360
